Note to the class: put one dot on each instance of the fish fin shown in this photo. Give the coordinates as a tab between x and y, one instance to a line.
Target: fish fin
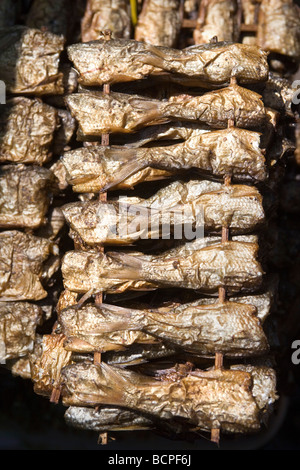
132	164
131	266
116	309
114	372
113	385
122	319
114	326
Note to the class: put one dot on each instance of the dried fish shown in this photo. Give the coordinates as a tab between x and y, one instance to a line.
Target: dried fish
229	327
204	204
217	19
106	419
140	353
27	128
203	264
208	399
120	60
167	133
18	323
86	341
19	367
53	228
279	27
235	152
262	303
25	263
264	380
102	15
190	7
47	362
25	195
99	113
278	93
65	131
159	23
30	61
250	10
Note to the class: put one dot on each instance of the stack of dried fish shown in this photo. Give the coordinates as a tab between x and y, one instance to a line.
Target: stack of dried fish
218	129
272	25
32	133
163	322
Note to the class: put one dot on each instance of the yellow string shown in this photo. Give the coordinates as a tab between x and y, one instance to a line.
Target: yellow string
133	7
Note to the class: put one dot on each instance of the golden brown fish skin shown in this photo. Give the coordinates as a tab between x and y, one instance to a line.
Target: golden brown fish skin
95	177
264	383
190	398
82	329
65	131
218	21
230	328
234	152
53	227
118	60
249	14
139	353
260	302
27	128
159	23
23	265
279	27
170	132
47	363
30	60
99	113
25	194
278	94
232	265
18	323
206	204
105	419
102	15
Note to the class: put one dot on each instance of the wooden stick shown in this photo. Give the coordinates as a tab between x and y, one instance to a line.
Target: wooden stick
103	438
222	294
215	435
104	141
84	298
97	357
55	394
215	432
218	360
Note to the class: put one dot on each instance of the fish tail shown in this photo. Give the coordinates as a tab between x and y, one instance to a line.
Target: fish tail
114	385
120	318
129	267
132	161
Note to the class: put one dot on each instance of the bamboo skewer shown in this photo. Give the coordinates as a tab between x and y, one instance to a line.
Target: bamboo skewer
102	196
103	437
215	432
